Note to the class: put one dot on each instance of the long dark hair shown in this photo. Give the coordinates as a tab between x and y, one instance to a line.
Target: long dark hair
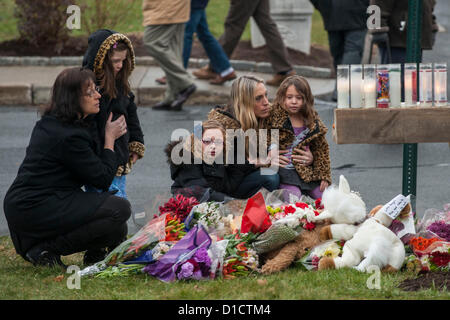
107	81
303	88
67	90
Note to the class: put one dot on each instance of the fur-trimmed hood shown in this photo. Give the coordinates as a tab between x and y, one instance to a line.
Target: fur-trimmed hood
99	44
225	116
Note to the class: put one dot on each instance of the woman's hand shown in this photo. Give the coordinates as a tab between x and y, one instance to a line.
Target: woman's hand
323	185
134	157
304	156
283	161
114	130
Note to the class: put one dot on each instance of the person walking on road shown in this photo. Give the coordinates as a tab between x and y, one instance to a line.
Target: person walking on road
238	15
346	24
164	23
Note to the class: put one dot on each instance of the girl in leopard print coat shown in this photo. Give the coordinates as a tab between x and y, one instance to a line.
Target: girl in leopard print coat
300	128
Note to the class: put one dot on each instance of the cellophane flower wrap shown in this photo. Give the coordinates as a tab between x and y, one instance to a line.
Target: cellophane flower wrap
212	216
288	221
167	267
331	248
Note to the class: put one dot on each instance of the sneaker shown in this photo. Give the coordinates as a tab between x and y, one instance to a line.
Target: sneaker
279	78
218	80
93	256
204	73
39	256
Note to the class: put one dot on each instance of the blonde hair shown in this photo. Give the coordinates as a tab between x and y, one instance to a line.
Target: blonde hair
243	101
303	88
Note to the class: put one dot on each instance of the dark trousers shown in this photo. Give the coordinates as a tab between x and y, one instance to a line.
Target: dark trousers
346	46
238	15
253	182
106	228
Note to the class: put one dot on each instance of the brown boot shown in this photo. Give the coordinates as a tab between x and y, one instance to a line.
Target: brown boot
204	73
218	80
278	78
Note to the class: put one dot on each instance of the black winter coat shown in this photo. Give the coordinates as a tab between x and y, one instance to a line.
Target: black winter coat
99	43
339	15
223	180
45	199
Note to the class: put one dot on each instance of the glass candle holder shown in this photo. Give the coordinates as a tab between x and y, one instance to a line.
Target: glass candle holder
440	84
343	86
370	86
410	84
382	86
425	85
356	86
395	89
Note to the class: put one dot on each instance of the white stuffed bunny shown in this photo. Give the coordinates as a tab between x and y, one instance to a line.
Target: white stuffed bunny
341	205
370	243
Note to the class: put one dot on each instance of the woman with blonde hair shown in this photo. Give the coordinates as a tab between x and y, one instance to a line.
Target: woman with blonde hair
249	109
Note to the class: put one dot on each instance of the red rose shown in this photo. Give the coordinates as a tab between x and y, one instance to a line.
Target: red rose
289	209
301	205
309	226
316	213
318	203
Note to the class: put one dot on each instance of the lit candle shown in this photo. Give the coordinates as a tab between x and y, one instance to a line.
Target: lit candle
440	84
370	86
410	84
343	86
356	89
425	85
382	86
394	85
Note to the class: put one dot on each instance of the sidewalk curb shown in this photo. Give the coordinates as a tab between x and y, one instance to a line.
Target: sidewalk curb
240	65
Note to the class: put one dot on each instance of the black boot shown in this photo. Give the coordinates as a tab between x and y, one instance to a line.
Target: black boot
93	256
41	256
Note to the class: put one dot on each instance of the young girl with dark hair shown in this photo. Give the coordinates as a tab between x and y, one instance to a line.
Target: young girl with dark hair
111	56
304	160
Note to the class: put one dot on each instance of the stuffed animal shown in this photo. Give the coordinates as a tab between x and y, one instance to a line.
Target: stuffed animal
370	243
340	206
282	258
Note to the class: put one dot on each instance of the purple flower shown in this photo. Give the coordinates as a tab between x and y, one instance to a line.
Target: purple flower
186	271
396	226
440	228
201	256
197	275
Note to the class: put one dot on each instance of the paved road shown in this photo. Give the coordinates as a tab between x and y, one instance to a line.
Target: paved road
373	170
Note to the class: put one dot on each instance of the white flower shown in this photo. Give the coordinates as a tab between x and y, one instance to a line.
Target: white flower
331	250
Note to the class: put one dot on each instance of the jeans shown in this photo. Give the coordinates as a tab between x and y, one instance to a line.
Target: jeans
346	46
197	23
253	182
118	184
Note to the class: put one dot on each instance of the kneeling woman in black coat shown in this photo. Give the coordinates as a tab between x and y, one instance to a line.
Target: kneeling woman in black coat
48	213
198	164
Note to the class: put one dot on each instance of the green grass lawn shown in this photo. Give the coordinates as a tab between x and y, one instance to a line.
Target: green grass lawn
20	280
216	12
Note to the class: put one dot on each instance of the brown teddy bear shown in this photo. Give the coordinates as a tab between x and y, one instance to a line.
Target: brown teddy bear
280	259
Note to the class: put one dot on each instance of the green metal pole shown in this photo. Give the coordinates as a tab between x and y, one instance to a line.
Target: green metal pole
413	54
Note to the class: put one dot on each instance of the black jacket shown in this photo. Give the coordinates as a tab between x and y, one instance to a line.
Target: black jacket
339	15
223	180
133	141
46	199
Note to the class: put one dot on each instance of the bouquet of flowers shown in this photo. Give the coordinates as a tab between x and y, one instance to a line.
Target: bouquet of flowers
240	259
174	228
331	248
287	223
437	222
435	257
197	268
179	207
